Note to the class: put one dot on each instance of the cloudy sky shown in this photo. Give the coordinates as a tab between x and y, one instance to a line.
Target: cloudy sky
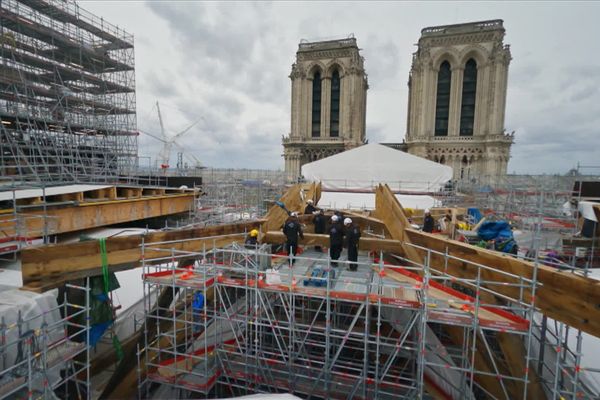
225	65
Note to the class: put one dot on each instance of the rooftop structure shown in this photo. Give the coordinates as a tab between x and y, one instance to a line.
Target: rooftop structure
67	94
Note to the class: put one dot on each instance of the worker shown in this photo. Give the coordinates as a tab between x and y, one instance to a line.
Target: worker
309	207
292	230
252	239
428	221
336	240
319	221
352	232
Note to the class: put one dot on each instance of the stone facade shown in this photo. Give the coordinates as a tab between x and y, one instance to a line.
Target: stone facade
329	98
460	69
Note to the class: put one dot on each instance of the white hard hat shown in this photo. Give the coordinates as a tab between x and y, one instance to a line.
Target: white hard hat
334	218
309	201
347	221
427	211
294	214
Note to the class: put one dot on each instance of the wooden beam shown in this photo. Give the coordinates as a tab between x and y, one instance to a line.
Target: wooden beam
295	200
94	214
514	353
482	363
122	382
52	265
314	239
368	222
564	296
389	210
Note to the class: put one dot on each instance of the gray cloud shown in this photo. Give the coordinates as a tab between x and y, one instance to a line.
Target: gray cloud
229	64
387	54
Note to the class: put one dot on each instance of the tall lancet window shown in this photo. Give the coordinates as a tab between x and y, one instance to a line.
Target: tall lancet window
469	91
316	105
442	104
334	127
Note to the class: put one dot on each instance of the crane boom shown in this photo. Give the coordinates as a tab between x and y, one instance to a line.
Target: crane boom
165	153
168	142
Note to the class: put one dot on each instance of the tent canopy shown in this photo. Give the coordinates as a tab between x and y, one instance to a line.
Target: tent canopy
366	201
364	167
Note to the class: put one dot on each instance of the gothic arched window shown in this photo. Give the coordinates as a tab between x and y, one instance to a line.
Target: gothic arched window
442	104
316	105
469	90
334	125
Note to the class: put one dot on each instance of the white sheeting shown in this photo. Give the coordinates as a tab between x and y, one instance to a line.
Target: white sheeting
37	310
366	201
586	208
49	191
11	276
366	166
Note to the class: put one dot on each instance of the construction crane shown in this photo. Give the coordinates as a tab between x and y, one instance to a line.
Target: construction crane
168	142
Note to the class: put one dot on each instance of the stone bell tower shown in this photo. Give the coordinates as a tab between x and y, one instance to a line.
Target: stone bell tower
457	99
329	99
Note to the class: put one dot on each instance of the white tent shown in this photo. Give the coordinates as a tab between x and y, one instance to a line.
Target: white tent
366	201
366	166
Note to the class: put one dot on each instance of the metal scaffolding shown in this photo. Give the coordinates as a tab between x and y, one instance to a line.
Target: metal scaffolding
544	209
45	356
244	321
230	195
67	94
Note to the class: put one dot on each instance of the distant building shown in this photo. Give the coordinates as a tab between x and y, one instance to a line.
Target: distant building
457	99
329	97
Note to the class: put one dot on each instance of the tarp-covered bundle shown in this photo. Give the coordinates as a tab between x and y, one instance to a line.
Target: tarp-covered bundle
501	233
364	167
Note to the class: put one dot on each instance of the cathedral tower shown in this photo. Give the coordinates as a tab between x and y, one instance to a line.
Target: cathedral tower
457	99
329	98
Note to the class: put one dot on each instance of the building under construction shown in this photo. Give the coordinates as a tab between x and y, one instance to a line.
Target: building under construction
113	290
67	94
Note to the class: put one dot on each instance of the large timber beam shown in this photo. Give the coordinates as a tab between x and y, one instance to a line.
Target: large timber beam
50	266
562	295
391	213
92	214
294	200
314	239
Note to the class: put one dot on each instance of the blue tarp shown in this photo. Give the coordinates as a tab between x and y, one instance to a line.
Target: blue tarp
501	233
491	230
97	330
485	189
475	214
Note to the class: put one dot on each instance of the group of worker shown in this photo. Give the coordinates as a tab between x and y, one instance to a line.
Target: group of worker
443	224
339	228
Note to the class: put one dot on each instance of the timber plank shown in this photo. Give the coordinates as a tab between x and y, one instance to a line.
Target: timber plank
295	200
514	354
92	214
58	262
482	363
315	239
